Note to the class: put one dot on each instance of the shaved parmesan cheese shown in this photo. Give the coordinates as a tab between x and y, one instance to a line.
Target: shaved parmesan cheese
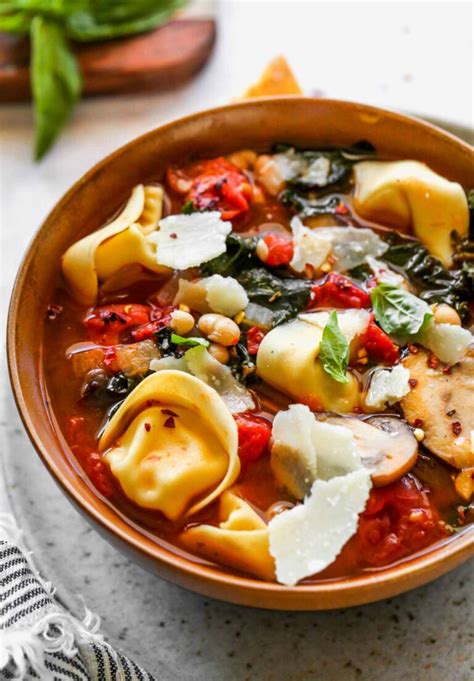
189	240
312	171
388	386
225	295
351	245
193	294
448	341
383	273
336	450
351	322
308	247
307	538
213	294
218	376
293	457
304	449
202	365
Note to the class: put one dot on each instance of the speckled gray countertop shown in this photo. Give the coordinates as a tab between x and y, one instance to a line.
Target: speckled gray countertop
425	635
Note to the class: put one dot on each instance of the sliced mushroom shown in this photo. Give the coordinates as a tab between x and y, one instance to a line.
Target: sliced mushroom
442	404
386	445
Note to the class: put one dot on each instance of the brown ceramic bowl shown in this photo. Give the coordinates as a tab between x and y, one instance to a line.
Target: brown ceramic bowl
96	196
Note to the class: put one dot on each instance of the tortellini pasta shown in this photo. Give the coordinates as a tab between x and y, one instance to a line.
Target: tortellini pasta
408	195
240	540
172	445
103	256
288	360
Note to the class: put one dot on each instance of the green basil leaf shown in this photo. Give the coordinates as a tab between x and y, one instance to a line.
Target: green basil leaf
14	22
191	341
397	311
105	19
56	81
334	350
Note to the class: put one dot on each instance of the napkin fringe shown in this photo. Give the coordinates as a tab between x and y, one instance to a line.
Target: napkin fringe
54	633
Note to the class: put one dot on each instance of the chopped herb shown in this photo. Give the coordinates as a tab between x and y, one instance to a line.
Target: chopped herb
334	350
188	207
191	341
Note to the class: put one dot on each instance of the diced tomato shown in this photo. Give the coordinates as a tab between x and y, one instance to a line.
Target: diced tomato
93	464
214	184
106	324
254	436
338	291
398	520
280	249
379	346
160	317
255	336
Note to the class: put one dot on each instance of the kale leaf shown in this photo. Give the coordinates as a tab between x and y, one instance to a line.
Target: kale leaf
308	206
241	364
435	283
239	256
285	297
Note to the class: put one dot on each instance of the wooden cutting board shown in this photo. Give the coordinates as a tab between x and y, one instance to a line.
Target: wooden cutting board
161	59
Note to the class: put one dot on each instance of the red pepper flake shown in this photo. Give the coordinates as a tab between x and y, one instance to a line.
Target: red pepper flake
418	423
169	423
412	382
168	412
147	427
357	410
341	209
173	235
53	312
456	427
447	370
433	361
412	349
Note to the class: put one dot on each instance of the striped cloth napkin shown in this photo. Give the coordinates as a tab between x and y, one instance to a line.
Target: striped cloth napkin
39	639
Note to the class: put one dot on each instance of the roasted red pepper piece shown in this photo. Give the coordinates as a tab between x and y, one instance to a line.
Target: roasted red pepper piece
214	184
106	324
255	336
280	249
254	436
379	346
338	291
398	520
160	317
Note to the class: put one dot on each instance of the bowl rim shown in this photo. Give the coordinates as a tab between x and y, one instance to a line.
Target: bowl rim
451	551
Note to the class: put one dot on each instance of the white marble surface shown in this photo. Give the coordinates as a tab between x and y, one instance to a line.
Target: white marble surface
411	56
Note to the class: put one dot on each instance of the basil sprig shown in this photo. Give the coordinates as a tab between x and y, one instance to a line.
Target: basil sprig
55	75
399	312
55	81
334	350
